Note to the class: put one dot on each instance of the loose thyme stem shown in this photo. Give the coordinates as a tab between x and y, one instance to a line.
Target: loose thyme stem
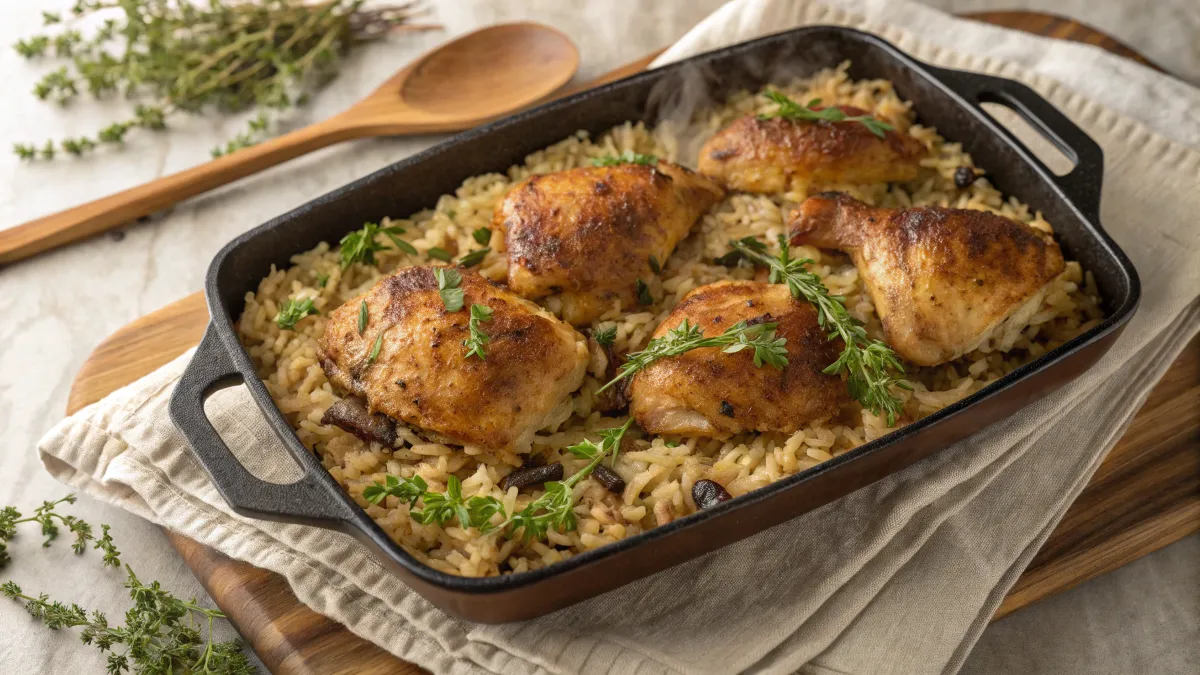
871	366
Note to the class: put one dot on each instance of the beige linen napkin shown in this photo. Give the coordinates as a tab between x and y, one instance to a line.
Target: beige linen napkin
899	577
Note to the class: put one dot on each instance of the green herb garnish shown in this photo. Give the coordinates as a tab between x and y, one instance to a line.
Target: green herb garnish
871	366
392	233
362	317
474	257
440	508
477	343
556	507
407	490
643	293
197	57
375	349
449	281
482	236
790	110
685	337
322	280
439	253
627	157
605	336
671	444
161	635
360	245
654	266
292	311
473	512
50	519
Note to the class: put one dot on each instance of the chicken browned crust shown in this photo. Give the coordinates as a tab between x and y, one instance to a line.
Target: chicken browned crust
589	233
706	392
781	155
422	375
943	280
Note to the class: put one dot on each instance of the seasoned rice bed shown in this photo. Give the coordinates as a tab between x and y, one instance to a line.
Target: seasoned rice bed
658	471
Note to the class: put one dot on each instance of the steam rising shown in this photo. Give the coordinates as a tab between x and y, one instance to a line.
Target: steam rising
680	104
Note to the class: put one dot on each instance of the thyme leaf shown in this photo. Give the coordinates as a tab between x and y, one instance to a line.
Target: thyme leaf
474	257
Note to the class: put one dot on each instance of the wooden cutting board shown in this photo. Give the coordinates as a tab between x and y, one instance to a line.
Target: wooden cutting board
1145	495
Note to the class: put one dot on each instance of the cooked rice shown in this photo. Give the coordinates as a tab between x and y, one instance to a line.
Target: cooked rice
655	473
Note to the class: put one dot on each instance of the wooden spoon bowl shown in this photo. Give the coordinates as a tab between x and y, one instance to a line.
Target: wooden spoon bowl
476	78
479	77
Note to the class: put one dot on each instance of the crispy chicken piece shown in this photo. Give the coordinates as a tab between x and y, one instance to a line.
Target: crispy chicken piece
944	281
422	375
706	392
780	155
589	233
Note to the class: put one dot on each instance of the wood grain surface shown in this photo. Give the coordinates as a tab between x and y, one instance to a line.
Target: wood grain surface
1144	496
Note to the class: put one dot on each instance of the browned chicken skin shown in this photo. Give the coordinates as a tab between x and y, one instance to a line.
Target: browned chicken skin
589	233
422	376
943	280
779	155
705	392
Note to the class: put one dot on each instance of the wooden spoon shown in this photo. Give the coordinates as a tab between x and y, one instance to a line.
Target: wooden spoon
478	77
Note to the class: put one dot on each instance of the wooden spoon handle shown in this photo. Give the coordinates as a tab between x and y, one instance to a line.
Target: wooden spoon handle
64	227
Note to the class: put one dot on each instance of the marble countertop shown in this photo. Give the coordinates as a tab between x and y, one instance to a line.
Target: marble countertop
57	307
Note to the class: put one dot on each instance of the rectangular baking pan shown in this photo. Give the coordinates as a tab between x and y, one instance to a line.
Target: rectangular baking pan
947	99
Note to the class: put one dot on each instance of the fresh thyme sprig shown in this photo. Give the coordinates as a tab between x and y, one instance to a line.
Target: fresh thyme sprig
627	157
685	337
292	311
440	507
161	634
871	366
193	57
157	640
556	507
477	343
50	519
790	110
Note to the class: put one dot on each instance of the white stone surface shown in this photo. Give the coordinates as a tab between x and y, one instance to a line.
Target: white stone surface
57	307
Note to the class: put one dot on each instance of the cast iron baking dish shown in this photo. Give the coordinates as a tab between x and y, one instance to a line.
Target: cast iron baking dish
947	99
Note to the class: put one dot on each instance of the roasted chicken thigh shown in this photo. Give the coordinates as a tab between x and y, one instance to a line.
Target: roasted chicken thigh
410	362
707	392
780	155
944	281
592	233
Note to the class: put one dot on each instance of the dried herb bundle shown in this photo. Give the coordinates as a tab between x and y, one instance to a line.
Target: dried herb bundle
195	56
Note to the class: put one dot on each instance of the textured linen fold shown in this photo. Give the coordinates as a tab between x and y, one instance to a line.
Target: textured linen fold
899	577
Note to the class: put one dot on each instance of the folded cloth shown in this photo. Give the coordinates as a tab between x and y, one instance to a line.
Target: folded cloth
899	577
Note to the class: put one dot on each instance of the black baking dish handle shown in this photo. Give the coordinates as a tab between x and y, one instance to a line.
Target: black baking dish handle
308	500
1082	184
